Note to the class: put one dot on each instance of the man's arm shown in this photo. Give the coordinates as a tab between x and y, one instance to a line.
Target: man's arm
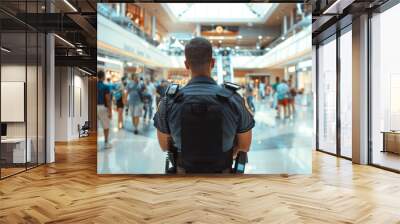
164	140
161	123
243	142
245	125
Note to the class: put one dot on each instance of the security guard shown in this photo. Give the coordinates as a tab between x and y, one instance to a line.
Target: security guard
206	123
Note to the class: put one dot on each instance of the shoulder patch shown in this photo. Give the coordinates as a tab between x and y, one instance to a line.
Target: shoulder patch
172	89
231	86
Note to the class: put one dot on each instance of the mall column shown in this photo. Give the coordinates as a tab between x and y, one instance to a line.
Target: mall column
50	92
360	90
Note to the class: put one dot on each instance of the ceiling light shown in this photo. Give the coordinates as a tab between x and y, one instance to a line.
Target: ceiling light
258	47
260	37
220	41
65	41
86	72
5	49
70	5
239	37
237	47
337	7
129	63
219	29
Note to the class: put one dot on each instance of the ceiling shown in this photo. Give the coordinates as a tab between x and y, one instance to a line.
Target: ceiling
269	27
219	12
73	21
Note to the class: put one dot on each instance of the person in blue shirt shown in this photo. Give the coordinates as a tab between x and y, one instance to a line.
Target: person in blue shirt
282	92
148	104
104	112
135	101
237	121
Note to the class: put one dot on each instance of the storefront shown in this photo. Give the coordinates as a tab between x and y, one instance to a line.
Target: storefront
365	84
334	94
385	89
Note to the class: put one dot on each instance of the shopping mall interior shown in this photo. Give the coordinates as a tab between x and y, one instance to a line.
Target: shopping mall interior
329	156
253	44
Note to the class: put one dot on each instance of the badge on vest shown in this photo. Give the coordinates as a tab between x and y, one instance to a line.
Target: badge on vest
232	86
172	89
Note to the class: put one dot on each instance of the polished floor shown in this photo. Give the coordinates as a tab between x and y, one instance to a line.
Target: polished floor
386	159
279	145
70	191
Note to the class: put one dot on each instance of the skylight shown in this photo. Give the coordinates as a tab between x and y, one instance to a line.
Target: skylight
220	12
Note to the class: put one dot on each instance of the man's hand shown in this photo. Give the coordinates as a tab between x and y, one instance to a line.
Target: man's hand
243	142
164	140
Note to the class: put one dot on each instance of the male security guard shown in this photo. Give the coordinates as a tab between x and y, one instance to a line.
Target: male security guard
208	124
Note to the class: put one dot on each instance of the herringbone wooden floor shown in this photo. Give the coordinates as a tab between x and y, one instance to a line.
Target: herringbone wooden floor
70	191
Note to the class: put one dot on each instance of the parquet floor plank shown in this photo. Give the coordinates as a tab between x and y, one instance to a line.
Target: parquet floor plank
70	191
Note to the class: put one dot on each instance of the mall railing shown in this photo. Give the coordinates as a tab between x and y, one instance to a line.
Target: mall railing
221	51
125	22
296	28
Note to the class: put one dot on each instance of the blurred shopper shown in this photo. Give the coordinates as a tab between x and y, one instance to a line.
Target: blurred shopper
124	80
261	90
275	94
135	101
282	93
151	89
277	81
249	95
291	99
148	104
120	100
160	91
104	111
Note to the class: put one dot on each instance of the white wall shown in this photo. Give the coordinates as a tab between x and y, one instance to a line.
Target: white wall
71	94
33	127
12	73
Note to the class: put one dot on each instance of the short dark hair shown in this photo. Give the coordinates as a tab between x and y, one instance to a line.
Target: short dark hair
198	52
100	74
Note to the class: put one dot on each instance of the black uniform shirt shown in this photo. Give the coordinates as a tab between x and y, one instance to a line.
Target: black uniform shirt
236	119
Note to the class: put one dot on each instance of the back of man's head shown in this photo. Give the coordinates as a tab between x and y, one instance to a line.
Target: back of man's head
198	54
100	75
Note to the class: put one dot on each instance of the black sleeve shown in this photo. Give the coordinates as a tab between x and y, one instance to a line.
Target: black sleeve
160	118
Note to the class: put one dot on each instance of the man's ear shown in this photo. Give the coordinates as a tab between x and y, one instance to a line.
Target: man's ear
187	65
212	63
